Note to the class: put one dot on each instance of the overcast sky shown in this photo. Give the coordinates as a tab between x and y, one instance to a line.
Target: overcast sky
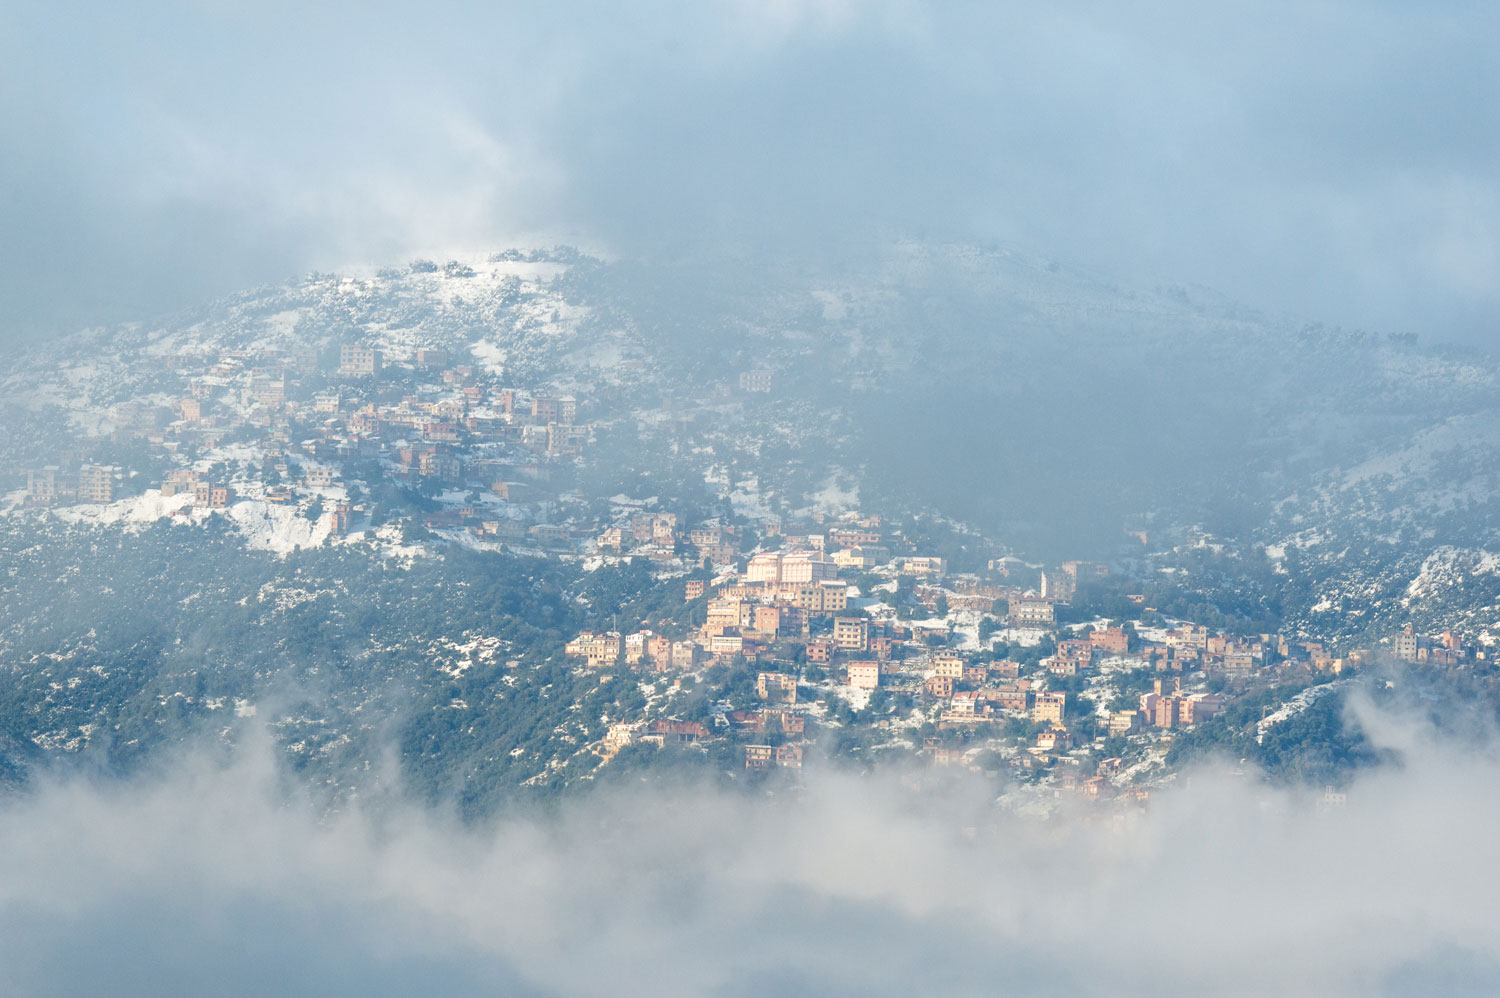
1333	159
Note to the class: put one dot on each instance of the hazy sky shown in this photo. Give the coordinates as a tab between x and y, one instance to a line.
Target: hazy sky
1335	159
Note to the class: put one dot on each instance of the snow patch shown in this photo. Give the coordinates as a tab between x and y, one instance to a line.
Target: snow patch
272	527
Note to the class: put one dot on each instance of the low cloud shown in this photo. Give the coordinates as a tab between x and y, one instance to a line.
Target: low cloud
214	878
1332	159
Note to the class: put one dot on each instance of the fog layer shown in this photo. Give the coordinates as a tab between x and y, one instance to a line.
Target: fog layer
217	879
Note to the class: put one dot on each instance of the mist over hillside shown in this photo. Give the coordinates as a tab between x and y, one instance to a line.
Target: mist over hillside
205	873
1048	404
811	497
1234	467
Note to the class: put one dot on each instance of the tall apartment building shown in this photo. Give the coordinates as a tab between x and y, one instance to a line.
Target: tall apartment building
96	483
1406	644
1049	707
358	360
44	484
1166	713
851	633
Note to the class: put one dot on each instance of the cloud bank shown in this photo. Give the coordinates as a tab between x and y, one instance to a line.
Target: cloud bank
1333	158
217	879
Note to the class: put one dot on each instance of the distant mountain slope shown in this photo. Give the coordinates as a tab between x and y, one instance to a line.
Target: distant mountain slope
1044	404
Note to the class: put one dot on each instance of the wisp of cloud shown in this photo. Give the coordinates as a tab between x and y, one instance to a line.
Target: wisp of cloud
217	879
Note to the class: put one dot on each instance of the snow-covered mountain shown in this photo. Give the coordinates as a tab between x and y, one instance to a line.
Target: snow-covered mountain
1050	407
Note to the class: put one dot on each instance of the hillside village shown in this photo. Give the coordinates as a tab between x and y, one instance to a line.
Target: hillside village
809	626
971	669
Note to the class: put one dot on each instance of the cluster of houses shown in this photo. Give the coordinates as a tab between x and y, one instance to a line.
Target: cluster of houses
307	416
1447	648
792	610
845	600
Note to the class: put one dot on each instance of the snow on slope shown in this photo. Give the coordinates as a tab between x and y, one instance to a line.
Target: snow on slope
271	527
264	526
138	510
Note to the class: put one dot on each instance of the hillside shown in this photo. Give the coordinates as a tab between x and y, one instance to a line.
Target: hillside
405	554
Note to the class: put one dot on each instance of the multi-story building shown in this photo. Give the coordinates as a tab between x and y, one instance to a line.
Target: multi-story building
730	613
862	556
179	480
685	654
1008	698
807	566
864	675
1059	586
776	687
824	597
1191	636
1239	662
318	476
923	565
44	485
1032	612
436	464
755	381
1166	712
618	737
635	646
1110	639
664	528
1050	707
554	409
966	707
1058	665
768	619
710	534
1054	740
358	361
268	389
96	483
717	555
763	567
849	537
948	667
203	493
851	633
1406	646
599	649
725	645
